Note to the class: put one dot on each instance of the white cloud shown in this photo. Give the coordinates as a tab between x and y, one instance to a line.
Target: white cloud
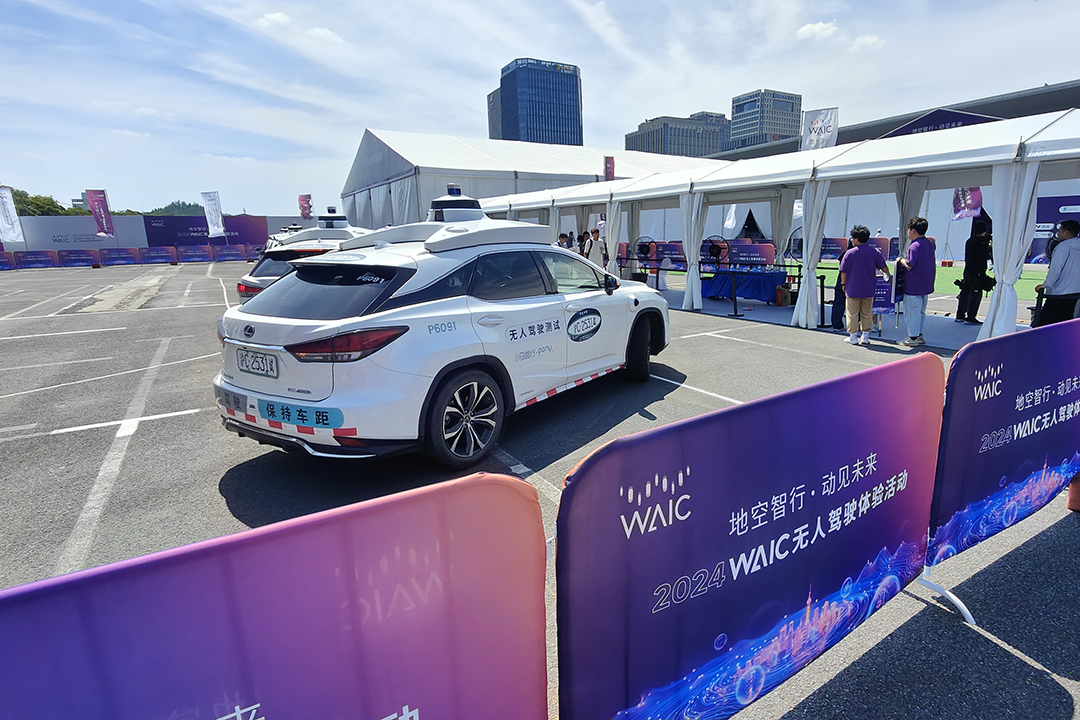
817	31
868	42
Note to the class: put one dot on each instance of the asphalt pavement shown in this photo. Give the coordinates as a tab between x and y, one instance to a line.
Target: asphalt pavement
113	449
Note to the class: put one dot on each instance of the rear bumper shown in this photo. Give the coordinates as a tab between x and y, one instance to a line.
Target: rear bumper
364	449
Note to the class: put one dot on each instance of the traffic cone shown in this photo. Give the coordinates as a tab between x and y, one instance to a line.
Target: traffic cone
1073	501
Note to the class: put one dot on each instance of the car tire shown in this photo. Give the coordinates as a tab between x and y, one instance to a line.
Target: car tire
637	351
465	420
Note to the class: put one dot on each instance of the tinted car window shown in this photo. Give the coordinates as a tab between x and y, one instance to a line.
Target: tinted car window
454	284
571	275
270	267
505	276
327	292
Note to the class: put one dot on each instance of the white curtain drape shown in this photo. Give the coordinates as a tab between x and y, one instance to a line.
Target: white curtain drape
909	198
815	195
1013	191
781	211
691	207
611	234
581	217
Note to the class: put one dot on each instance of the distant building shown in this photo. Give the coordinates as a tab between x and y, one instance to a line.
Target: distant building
701	134
494	104
764	116
537	101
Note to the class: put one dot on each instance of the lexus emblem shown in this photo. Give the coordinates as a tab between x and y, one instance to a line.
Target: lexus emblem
249	330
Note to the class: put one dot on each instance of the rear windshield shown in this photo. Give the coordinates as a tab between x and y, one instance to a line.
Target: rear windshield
270	267
327	292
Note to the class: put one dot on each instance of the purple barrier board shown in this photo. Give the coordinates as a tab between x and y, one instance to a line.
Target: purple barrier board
7	261
36	259
1010	435
251	252
701	564
78	258
119	256
195	253
427	604
224	253
833	248
174	230
154	255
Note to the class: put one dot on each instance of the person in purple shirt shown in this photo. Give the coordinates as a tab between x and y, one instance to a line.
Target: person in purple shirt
858	273
921	268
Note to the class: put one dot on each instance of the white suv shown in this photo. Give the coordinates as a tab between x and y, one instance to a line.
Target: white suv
427	336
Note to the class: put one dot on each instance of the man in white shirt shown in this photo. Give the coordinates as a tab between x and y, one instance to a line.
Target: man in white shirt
1062	286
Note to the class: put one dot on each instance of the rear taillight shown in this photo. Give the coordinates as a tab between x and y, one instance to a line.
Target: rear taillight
246	290
346	348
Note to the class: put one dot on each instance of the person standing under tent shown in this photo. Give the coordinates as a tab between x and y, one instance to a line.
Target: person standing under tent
921	268
1062	284
839	304
858	274
976	260
564	241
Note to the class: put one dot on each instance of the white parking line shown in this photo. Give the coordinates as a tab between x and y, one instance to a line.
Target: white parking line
68	332
142	419
17	428
187	292
55	364
84	297
790	349
542	484
113	312
13	292
77	548
31	307
225	293
725	398
104	377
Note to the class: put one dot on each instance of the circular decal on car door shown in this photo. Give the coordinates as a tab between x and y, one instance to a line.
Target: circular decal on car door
583	324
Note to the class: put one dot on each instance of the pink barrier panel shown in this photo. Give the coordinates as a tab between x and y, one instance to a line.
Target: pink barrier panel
427	604
119	256
195	253
7	261
158	255
78	258
224	253
36	259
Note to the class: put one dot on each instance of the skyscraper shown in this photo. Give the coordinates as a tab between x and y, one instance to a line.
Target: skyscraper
763	116
703	133
537	101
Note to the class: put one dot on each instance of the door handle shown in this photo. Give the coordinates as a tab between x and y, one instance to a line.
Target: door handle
490	321
573	308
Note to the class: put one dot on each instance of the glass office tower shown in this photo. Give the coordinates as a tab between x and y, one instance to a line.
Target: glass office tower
540	102
764	116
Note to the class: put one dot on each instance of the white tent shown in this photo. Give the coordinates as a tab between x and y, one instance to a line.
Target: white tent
1011	155
396	175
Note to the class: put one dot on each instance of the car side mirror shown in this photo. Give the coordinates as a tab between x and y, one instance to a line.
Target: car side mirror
611	284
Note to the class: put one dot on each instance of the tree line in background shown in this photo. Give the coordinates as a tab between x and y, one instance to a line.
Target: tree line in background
29	205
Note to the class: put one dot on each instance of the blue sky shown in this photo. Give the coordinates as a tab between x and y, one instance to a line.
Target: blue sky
262	100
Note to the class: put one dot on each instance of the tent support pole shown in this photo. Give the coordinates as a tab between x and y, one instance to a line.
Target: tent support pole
924	579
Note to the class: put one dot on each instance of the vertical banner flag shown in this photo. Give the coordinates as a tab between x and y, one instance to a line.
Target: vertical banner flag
966	202
609	167
99	206
1010	434
305	206
701	564
426	604
10	226
820	128
212	208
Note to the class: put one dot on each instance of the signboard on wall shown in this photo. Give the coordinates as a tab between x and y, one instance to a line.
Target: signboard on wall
701	564
178	230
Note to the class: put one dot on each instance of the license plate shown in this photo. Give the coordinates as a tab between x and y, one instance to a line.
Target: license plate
257	363
232	400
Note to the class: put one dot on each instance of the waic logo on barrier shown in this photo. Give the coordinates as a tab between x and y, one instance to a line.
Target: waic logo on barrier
659	512
987	382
